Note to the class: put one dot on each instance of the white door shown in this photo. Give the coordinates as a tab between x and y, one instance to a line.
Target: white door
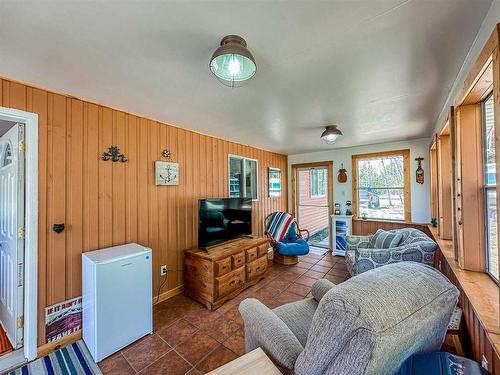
12	233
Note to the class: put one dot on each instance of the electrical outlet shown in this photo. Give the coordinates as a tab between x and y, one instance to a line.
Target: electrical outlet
163	270
484	363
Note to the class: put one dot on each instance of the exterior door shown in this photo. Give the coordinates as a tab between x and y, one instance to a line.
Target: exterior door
313	204
12	234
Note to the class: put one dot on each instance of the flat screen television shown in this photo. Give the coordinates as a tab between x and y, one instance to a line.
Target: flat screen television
224	219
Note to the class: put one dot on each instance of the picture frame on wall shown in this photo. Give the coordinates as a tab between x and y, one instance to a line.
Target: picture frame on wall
274	178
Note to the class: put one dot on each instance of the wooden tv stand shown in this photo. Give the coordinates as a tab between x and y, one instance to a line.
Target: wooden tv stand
212	277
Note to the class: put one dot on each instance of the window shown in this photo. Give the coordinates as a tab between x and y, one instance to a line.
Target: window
490	190
318	182
6	155
381	186
243	177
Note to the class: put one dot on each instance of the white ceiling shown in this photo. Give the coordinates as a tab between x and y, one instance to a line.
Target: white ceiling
380	69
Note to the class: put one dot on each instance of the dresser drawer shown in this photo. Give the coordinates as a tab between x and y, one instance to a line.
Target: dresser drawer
262	250
238	260
251	255
230	282
223	266
257	268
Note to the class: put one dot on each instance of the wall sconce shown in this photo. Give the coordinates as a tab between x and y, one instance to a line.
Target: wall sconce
114	154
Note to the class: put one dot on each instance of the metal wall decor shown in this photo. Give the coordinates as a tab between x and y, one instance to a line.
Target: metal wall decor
419	174
114	154
165	153
342	177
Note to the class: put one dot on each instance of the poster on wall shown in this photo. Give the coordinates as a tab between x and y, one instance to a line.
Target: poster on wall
63	318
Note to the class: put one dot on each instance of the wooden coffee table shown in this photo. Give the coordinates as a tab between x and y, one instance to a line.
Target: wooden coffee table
255	362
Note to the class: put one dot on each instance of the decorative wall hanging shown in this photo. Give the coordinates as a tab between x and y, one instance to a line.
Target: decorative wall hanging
166	173
63	318
274	177
420	172
342	177
114	154
165	153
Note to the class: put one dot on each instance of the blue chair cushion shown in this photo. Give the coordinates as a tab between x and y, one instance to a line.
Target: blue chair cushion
291	235
299	247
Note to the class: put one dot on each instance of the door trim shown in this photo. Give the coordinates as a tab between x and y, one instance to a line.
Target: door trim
329	165
31	231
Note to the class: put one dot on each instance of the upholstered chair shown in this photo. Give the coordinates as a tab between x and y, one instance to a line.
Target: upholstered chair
369	324
415	246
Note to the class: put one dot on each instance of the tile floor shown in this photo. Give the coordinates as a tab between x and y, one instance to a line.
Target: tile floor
189	339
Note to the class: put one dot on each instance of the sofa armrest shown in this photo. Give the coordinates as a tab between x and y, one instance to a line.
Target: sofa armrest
320	288
263	328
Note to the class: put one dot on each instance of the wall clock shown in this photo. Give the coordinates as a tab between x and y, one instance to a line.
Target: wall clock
166	173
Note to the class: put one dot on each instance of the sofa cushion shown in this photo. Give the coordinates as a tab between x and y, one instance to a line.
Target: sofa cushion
385	240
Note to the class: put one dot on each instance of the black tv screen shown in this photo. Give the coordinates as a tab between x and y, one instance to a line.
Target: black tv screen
223	219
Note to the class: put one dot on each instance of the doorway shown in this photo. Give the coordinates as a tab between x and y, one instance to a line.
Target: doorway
312	195
11	235
18	237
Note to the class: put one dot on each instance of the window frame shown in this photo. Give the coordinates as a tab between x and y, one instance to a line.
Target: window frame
405	153
487	187
243	172
311	182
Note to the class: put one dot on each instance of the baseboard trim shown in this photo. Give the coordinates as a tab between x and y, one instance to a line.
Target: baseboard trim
52	346
169	294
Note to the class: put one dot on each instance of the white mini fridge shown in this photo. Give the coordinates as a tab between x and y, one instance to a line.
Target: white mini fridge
117	298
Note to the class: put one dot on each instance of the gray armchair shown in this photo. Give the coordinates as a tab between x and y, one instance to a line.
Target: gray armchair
369	324
415	246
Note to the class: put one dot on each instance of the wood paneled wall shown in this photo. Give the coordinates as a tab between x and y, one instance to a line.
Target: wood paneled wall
105	203
480	319
368	227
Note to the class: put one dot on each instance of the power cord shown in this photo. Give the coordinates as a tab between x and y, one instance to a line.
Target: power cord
164	281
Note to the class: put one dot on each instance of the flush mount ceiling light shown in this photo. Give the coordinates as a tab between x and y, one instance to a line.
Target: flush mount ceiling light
331	134
232	63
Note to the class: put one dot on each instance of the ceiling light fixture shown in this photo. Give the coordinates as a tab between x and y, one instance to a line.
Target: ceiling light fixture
331	134
232	63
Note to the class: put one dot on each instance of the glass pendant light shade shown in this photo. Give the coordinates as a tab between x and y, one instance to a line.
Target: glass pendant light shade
232	63
331	134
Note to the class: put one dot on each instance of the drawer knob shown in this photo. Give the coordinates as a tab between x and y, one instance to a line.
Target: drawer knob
258	269
232	283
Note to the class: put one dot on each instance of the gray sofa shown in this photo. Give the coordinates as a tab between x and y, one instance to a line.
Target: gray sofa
415	246
368	324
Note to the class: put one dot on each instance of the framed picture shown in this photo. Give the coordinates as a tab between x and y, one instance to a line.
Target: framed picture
166	173
274	177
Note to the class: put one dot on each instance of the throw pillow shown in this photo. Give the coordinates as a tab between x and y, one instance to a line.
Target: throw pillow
385	240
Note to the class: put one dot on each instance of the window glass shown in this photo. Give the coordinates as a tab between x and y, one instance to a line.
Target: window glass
490	192
381	188
243	180
318	183
235	175
6	155
250	178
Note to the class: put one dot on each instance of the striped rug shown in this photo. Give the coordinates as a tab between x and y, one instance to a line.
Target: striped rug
74	359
